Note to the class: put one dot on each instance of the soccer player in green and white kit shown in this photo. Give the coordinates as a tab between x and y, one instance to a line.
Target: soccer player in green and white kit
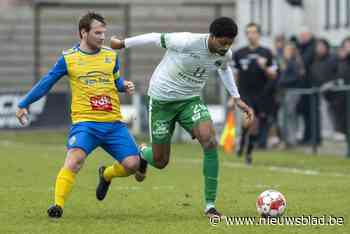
175	90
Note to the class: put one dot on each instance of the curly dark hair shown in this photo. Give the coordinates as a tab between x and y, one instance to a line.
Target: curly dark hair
223	27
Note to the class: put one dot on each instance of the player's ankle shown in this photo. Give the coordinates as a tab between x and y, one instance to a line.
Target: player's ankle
209	205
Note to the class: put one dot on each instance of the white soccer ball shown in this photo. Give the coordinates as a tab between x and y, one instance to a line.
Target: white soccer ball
271	203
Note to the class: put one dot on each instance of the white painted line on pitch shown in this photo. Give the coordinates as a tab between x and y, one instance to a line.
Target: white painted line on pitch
307	172
294	170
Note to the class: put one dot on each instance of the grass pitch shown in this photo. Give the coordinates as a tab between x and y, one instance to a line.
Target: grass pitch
169	200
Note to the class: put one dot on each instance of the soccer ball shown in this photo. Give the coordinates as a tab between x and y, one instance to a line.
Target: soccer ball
271	203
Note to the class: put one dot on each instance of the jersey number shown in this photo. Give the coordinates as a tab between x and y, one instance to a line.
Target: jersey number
199	72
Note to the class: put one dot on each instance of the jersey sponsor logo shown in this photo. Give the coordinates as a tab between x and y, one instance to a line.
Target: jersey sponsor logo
253	56
244	63
95	77
190	79
250	59
101	103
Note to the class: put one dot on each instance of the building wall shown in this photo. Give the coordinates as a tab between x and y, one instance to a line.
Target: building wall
325	18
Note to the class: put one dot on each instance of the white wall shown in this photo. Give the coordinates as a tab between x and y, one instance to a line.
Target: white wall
290	20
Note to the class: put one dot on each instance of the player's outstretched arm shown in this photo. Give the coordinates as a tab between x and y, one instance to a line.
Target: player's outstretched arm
116	43
41	89
143	39
176	41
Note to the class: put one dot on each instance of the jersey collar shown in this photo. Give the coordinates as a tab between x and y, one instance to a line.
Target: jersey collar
88	53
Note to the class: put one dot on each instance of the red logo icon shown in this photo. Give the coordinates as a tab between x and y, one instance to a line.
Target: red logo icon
101	103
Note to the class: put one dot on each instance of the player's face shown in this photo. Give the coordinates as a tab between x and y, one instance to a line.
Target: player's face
222	44
252	35
96	36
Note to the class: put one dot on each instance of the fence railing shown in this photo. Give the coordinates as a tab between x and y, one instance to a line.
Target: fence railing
315	94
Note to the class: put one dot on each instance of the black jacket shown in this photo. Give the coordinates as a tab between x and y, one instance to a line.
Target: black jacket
290	76
344	69
323	69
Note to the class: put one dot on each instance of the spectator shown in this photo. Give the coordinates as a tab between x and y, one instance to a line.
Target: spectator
324	66
323	69
306	46
279	45
291	73
343	75
279	49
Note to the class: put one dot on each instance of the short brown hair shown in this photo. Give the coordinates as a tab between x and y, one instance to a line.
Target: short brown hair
255	25
86	20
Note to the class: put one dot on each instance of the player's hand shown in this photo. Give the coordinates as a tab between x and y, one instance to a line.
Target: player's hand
129	87
22	116
249	115
117	43
248	118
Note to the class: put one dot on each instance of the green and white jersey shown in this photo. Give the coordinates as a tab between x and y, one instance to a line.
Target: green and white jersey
185	67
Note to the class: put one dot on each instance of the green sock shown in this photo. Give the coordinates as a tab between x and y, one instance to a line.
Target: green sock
147	155
210	172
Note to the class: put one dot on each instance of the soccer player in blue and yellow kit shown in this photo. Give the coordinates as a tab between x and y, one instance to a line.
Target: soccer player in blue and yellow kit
93	72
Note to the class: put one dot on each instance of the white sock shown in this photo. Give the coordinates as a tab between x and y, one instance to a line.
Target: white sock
208	206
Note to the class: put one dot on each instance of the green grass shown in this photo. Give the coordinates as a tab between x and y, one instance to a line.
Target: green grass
169	201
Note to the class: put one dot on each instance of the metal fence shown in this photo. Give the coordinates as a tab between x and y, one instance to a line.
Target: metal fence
314	95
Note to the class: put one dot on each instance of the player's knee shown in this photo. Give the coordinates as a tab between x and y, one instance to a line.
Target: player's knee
161	164
209	142
131	164
161	160
75	160
74	164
